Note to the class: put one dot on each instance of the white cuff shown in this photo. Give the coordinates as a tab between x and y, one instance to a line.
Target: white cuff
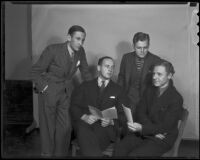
112	122
83	116
44	88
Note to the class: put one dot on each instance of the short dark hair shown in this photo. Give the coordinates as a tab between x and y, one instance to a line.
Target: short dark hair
100	61
168	66
75	28
140	36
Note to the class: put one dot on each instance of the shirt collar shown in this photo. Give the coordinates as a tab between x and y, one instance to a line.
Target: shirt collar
100	81
162	90
70	49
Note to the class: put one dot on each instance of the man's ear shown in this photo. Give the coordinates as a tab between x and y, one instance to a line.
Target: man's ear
69	37
98	68
169	76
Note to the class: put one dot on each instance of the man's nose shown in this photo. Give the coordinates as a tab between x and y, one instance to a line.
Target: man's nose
154	76
110	69
80	43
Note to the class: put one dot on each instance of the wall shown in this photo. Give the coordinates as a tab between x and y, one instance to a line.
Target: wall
17	42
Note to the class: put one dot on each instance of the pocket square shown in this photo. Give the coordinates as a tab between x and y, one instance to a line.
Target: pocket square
113	97
78	63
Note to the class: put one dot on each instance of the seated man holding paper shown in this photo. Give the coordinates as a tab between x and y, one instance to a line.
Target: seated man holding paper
155	128
96	110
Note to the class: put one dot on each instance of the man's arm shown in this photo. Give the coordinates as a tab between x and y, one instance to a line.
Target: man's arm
169	120
121	75
77	107
39	70
122	120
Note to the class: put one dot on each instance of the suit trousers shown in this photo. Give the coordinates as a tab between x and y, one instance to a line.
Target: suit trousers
54	120
138	146
93	139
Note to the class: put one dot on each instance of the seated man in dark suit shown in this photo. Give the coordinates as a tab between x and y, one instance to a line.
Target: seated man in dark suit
94	134
155	129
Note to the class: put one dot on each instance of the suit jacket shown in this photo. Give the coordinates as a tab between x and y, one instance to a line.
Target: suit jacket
88	93
128	74
160	114
55	65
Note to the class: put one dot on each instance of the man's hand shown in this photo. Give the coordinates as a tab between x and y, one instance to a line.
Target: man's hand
90	119
105	122
161	136
135	127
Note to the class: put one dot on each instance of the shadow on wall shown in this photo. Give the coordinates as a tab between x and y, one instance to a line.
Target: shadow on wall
54	40
92	60
22	70
121	48
77	78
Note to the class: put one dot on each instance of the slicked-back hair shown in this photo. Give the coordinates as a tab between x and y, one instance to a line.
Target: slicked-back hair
168	66
140	36
75	28
100	61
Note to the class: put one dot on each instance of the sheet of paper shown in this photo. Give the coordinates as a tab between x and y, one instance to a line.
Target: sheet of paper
110	113
95	111
128	113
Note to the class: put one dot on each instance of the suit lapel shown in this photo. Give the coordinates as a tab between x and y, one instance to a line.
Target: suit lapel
74	63
145	68
65	58
107	92
133	68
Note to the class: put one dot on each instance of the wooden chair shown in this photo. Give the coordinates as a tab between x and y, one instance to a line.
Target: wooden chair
182	122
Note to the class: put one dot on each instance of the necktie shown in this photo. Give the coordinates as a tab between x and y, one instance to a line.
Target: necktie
72	56
102	86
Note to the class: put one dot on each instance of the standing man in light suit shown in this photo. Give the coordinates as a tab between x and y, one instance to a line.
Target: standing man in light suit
52	75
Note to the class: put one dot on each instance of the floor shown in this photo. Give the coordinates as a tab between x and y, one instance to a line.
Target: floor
17	144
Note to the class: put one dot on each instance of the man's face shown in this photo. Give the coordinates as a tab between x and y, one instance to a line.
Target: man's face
76	40
160	76
141	48
106	70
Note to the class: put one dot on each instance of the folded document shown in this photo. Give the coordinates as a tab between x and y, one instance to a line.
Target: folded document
110	113
128	113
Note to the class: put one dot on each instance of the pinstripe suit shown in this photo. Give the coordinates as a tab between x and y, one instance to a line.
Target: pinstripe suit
55	68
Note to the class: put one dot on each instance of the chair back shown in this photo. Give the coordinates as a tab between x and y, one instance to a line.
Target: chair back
181	126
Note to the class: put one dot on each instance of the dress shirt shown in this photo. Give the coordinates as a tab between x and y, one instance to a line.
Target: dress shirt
100	82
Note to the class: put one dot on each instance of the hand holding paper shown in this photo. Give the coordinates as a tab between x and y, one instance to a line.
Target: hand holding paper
90	119
110	113
135	127
105	122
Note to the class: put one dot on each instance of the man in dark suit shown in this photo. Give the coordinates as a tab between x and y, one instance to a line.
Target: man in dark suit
52	75
95	134
135	68
156	127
